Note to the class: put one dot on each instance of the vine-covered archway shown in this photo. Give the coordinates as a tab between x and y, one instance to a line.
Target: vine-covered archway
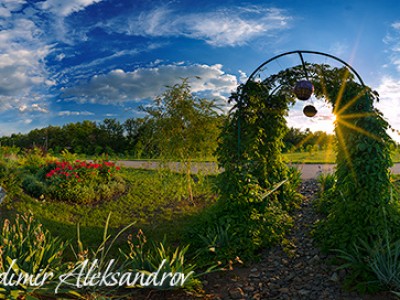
251	145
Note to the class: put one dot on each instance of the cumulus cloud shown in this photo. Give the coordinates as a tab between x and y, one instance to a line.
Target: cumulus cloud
22	55
224	27
119	86
65	8
389	91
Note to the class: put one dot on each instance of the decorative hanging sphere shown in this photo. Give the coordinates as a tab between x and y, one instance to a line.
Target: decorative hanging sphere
303	90
310	111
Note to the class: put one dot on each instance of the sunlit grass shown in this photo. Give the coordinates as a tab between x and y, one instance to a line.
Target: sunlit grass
321	157
151	202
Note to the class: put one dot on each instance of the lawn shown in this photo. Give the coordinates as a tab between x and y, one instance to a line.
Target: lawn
321	157
38	217
156	202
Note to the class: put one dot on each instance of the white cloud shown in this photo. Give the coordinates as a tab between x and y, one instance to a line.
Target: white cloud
66	7
27	121
227	27
119	86
8	6
338	49
323	120
243	76
33	107
392	39
67	113
22	54
389	91
396	25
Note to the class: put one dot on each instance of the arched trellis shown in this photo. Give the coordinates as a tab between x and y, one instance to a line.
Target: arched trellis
256	125
253	77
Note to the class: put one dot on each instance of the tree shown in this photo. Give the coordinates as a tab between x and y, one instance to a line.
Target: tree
185	126
112	135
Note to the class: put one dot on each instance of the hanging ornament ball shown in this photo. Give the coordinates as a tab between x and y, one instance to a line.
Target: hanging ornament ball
310	111
303	89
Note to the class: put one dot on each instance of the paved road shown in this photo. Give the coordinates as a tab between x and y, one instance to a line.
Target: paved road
308	170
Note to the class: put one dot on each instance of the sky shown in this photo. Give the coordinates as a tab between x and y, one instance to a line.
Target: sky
67	61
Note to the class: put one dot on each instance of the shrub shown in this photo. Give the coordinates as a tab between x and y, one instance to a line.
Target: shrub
83	182
252	219
10	177
33	187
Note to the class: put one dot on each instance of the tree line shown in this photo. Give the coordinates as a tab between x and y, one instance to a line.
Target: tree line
178	125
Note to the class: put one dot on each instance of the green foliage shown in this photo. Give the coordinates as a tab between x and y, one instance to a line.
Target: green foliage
362	166
189	123
373	265
250	153
238	227
10	177
78	181
149	256
356	260
295	139
184	127
34	250
33	186
327	195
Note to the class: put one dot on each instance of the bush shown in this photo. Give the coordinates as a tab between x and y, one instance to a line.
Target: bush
82	182
10	177
33	187
241	226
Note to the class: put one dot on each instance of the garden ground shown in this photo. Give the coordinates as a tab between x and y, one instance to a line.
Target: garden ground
294	270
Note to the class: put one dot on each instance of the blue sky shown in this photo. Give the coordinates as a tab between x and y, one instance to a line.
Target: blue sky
65	61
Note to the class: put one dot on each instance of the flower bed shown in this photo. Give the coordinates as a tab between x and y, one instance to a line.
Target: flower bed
78	182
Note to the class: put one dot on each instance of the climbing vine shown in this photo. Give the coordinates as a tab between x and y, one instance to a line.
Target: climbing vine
250	153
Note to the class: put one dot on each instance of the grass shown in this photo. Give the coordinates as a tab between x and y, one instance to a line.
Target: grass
152	202
316	157
321	157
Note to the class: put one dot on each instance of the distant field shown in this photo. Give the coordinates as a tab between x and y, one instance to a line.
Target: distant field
320	157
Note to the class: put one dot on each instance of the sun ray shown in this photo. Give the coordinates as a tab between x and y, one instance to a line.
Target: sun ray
351	102
341	90
329	149
359	129
343	145
357	115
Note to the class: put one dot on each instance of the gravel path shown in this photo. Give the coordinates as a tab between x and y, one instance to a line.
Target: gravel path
296	271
